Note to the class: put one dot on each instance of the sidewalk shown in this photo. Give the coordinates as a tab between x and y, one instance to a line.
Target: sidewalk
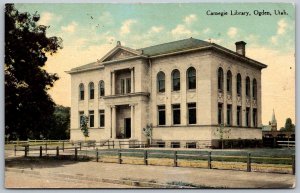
158	174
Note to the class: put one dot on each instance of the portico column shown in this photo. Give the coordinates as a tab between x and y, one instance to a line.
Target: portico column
132	120
113	121
132	79
113	88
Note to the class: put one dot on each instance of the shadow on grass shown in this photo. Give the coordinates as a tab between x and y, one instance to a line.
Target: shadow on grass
44	162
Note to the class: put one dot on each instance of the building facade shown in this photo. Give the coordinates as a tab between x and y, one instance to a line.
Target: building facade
187	90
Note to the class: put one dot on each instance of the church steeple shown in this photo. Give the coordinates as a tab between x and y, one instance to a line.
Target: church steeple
274	122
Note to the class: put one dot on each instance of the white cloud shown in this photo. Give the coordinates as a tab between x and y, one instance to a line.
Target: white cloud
69	28
274	40
106	18
181	30
206	30
126	26
46	18
232	31
213	40
190	19
156	29
282	26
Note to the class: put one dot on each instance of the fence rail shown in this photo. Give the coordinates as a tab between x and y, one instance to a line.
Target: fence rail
145	156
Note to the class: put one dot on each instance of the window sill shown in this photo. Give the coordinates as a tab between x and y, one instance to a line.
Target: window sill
191	90
175	91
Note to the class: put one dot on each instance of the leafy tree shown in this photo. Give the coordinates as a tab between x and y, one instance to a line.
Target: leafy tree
60	124
289	126
28	106
84	126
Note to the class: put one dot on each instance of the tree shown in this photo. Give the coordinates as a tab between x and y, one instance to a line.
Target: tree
223	133
147	131
289	126
28	106
84	126
60	124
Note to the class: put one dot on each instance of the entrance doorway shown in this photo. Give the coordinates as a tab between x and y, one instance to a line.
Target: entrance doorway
127	127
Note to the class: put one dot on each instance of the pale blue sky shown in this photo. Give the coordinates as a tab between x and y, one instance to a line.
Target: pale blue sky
90	30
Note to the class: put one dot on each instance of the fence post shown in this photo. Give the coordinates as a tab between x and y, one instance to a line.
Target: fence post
145	157
80	146
119	157
175	158
249	162
63	146
294	164
209	160
57	151
75	153
25	151
97	155
120	144
15	149
46	148
41	151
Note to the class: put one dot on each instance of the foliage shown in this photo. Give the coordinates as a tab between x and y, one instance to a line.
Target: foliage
60	124
84	125
223	133
28	106
147	131
289	126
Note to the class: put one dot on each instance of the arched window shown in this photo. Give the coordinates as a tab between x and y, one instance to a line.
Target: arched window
81	92
101	88
91	90
176	80
248	86
191	76
220	79
229	81
238	84
161	81
254	89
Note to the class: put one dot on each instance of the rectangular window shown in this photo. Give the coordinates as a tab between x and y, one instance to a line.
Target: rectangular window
101	118
161	115
229	114
128	85
254	117
192	113
122	86
220	113
81	95
91	118
81	113
247	117
176	114
238	116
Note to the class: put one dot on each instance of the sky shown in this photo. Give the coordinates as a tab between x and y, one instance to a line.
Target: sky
89	31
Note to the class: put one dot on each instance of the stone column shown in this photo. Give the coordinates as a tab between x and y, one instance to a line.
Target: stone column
113	85
113	122
132	121
132	80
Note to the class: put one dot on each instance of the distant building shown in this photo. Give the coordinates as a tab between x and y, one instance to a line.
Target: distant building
186	89
272	124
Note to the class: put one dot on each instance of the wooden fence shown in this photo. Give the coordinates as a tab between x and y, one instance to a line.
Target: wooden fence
145	155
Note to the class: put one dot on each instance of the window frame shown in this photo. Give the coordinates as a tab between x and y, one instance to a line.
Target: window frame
161	109
229	115
175	79
191	77
238	84
101	118
91	119
161	82
229	82
254	89
176	108
192	109
101	88
248	89
220	79
81	91
239	116
220	114
91	91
